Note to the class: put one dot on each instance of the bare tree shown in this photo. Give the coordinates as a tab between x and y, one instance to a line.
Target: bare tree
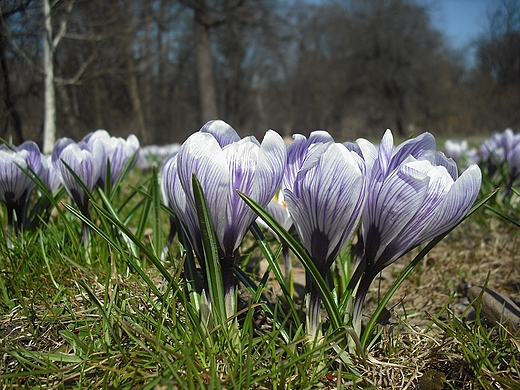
497	81
12	120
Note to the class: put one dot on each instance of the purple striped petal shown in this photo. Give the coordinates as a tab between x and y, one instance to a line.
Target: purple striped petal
269	171
298	151
175	198
13	182
35	156
201	154
454	206
49	176
121	155
390	206
242	160
61	144
223	133
84	164
326	200
415	147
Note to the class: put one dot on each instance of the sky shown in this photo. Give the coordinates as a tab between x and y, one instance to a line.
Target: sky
462	22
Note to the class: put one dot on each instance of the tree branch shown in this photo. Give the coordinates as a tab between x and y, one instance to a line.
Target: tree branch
74	80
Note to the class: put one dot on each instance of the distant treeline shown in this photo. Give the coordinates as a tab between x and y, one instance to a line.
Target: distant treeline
162	68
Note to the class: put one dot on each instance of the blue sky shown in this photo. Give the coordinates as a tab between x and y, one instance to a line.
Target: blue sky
461	21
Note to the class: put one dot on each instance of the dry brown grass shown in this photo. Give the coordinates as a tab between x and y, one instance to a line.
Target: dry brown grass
404	357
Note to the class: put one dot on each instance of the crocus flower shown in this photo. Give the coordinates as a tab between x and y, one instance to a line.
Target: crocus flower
151	155
495	150
455	149
513	165
325	201
414	194
114	149
49	176
224	163
175	198
299	150
16	185
84	161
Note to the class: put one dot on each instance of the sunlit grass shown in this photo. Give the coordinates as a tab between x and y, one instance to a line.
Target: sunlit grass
127	321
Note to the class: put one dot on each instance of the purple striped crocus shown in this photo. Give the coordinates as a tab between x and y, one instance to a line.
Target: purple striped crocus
414	194
16	185
325	200
175	198
299	150
224	163
85	161
513	165
114	149
49	176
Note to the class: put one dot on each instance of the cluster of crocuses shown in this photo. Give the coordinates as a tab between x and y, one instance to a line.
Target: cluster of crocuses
501	150
78	166
404	196
498	156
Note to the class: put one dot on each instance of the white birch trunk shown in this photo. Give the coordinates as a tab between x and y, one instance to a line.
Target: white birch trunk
49	121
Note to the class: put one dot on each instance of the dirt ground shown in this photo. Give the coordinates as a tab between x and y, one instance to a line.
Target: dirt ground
413	354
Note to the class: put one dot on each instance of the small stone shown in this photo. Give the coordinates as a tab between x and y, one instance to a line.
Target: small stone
431	380
496	307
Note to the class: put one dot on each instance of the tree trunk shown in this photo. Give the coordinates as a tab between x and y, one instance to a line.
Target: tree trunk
66	107
136	99
49	121
207	95
13	114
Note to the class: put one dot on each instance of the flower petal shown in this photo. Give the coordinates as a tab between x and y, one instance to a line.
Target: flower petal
327	199
242	160
298	151
390	206
454	206
415	147
13	182
175	198
201	154
223	133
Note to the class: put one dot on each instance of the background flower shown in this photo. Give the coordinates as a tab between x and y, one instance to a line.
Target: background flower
16	185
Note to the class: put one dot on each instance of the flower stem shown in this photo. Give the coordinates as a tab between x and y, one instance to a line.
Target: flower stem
313	317
288	269
361	293
86	241
10	218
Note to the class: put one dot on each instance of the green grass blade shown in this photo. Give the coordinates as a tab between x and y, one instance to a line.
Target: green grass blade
110	207
257	295
157	237
303	256
211	255
129	259
273	264
503	215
